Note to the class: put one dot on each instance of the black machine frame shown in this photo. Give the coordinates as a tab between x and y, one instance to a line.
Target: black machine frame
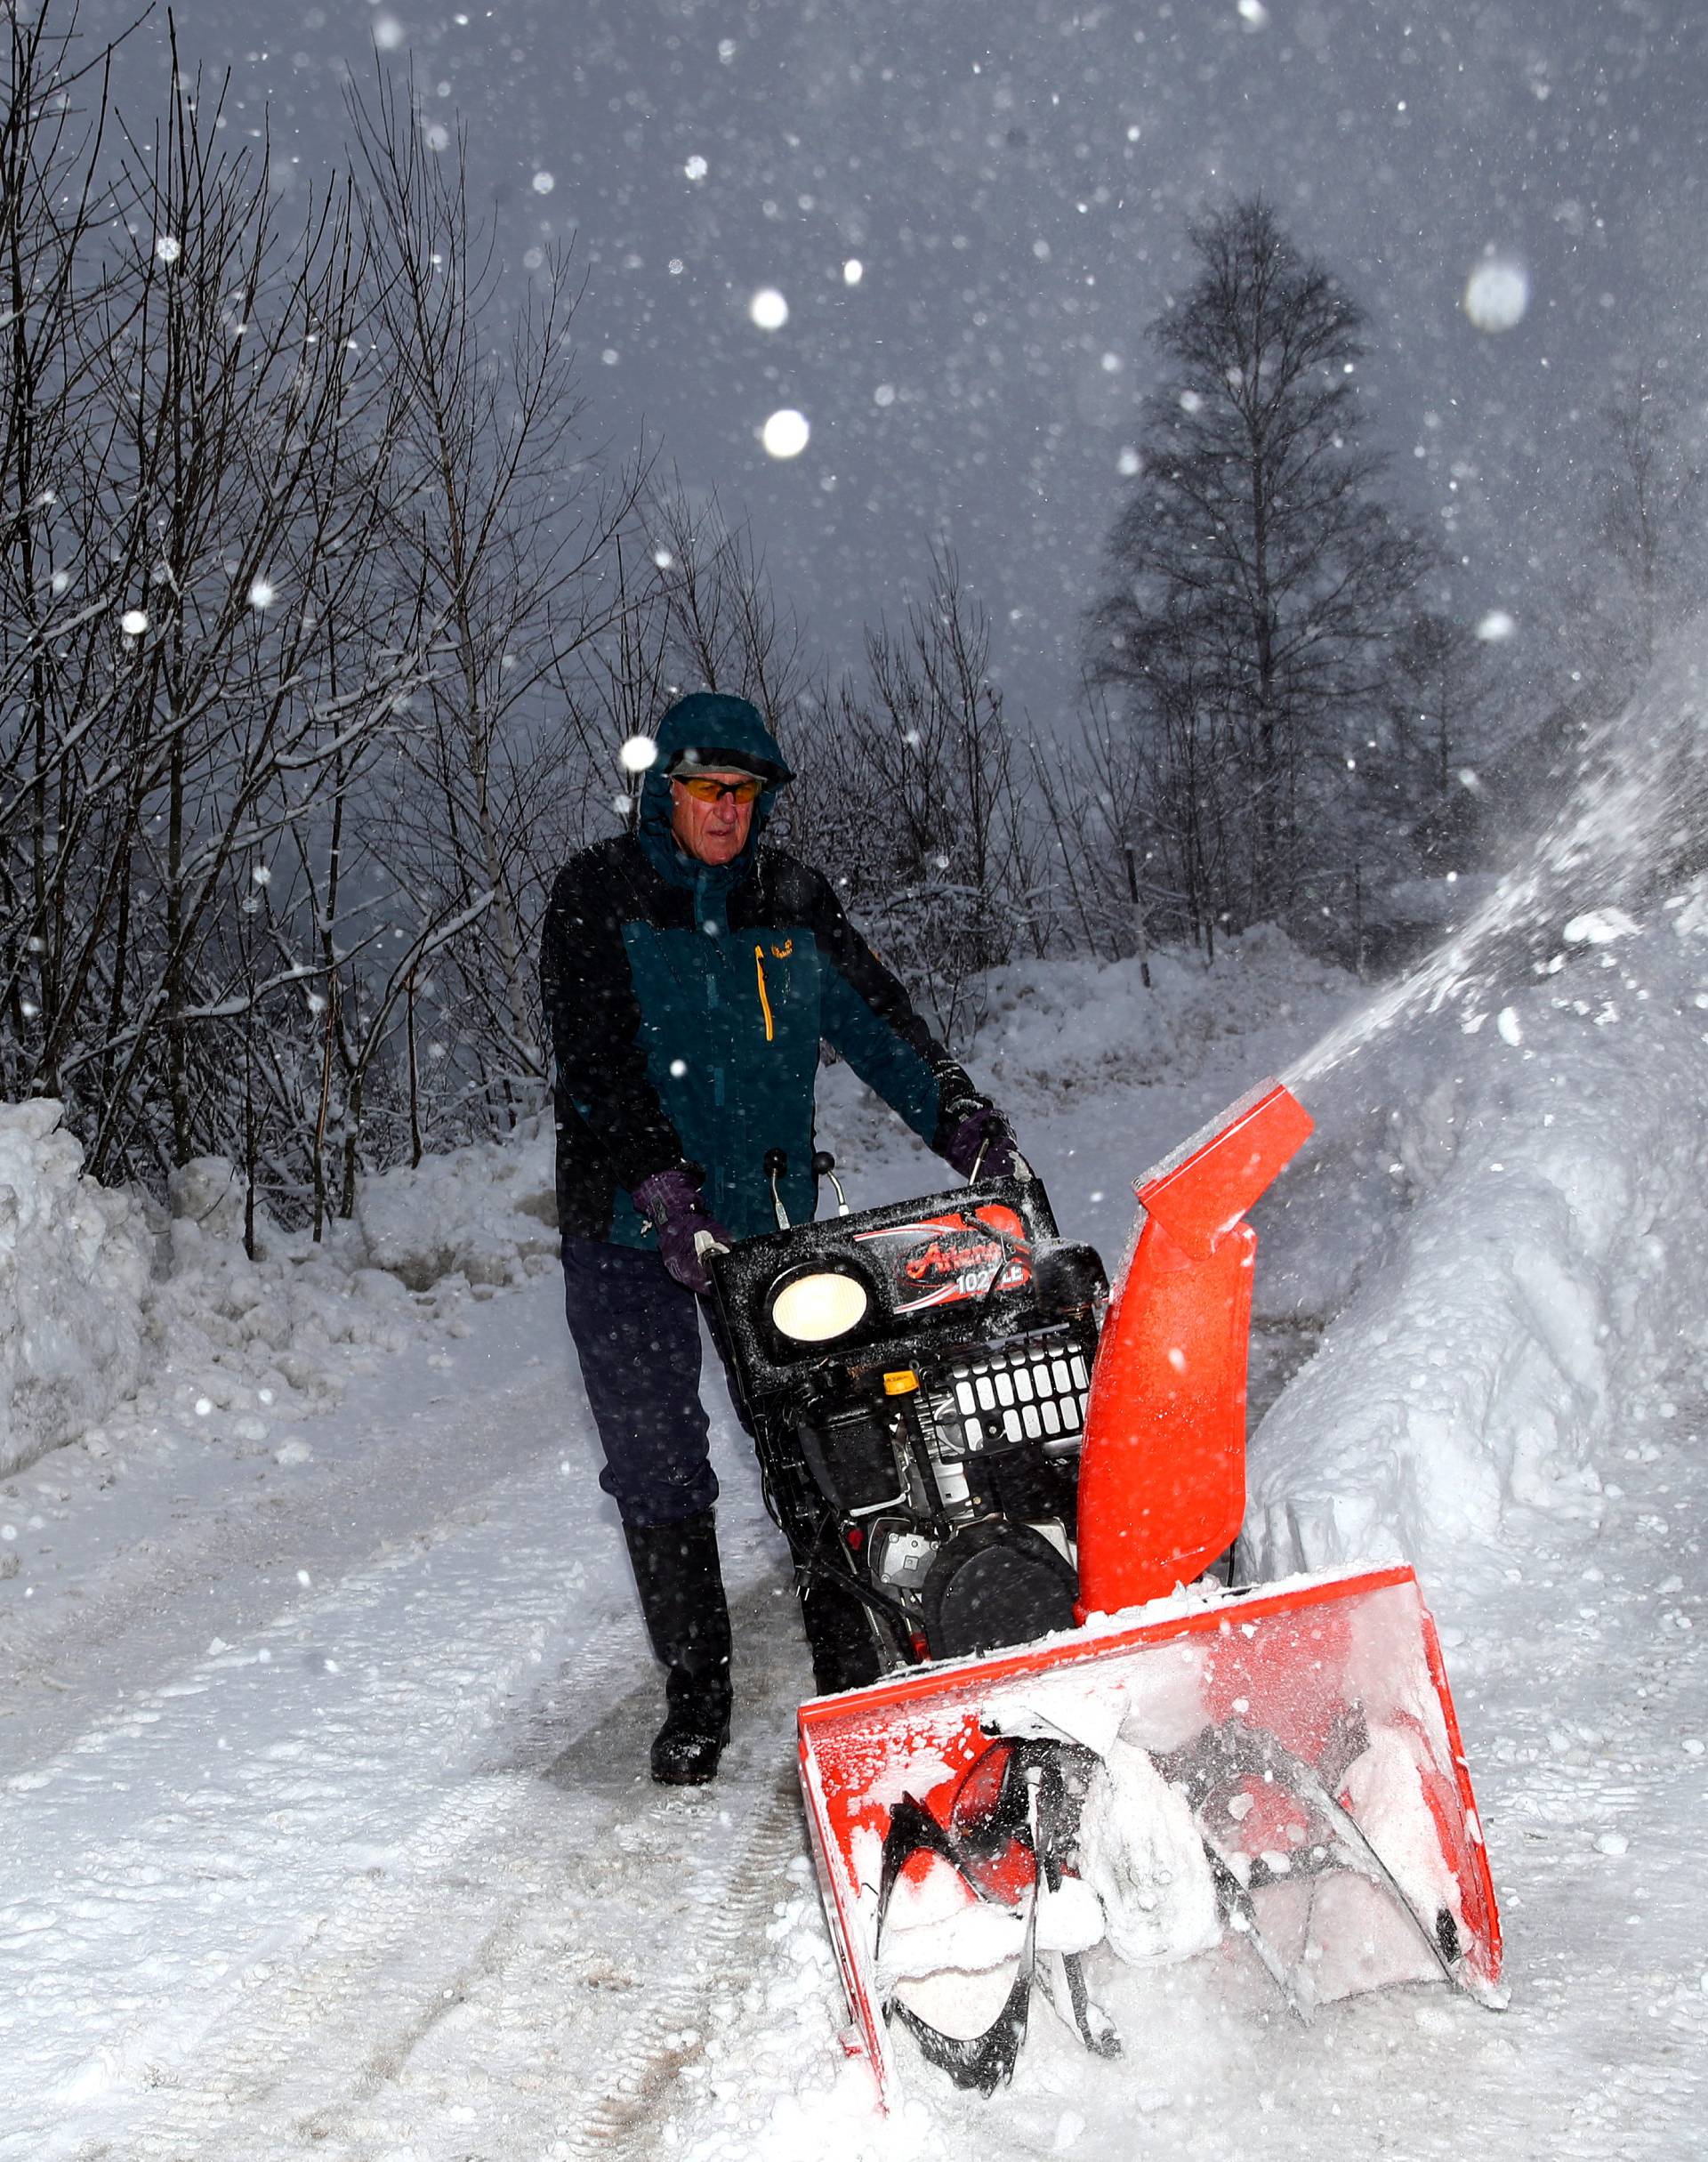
923	1464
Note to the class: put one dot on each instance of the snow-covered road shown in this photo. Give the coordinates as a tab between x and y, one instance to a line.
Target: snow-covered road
388	1814
371	1873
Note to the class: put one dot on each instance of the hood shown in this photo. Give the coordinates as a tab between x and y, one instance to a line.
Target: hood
707	721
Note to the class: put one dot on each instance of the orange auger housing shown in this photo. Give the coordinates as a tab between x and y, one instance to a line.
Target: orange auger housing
1306	1726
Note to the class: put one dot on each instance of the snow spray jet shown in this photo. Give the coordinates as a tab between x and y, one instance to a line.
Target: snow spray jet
1635	825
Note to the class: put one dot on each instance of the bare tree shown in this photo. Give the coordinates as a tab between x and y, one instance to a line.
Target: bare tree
202	545
1096	797
1255	582
498	527
1439	738
294	554
914	786
1649	480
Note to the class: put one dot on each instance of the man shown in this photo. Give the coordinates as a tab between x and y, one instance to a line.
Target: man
687	976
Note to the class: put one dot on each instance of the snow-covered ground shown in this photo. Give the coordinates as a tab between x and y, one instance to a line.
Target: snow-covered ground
324	1705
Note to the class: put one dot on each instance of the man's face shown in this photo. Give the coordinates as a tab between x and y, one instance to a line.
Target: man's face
716	832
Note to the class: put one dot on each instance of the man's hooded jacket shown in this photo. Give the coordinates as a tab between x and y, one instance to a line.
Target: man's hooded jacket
687	1003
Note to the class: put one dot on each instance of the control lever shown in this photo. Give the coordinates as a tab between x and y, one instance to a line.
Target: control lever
823	1166
1022	1169
776	1167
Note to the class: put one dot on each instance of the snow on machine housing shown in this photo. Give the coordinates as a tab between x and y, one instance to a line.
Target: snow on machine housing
1070	1746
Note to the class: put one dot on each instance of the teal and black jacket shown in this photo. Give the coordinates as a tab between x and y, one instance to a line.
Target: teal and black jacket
686	1004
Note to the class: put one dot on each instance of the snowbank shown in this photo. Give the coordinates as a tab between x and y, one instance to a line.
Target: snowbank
1499	1224
107	1326
477	1213
74	1265
1064	1030
246	1342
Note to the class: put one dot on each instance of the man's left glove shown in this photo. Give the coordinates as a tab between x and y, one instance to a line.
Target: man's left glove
686	1233
982	1144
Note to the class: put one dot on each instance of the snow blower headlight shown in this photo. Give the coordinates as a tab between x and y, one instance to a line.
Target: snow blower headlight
818	1307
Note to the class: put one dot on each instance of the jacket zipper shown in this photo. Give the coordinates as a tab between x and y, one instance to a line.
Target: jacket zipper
764	1003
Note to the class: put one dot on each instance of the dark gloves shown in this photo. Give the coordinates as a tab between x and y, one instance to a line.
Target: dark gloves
686	1233
984	1131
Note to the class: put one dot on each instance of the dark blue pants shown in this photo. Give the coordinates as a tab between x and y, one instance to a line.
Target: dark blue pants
637	1334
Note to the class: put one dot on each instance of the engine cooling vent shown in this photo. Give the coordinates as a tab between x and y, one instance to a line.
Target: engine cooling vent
1032	1391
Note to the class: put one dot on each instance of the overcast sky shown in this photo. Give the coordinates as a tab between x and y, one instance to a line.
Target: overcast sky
1013	177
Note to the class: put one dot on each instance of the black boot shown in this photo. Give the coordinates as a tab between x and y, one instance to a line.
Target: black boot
681	1595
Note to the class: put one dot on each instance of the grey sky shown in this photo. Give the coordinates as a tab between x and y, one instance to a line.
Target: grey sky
1014	177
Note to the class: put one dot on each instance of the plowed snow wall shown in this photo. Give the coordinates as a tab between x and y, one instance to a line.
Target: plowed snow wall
1517	1197
74	1266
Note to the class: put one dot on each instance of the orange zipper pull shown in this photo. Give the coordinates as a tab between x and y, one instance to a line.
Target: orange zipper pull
764	1003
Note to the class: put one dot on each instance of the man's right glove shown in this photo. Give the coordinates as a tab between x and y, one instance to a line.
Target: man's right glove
983	1142
686	1233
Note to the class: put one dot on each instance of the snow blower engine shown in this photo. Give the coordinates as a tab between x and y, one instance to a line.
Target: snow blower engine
916	1378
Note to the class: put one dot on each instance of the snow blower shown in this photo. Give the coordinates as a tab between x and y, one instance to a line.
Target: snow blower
1070	1735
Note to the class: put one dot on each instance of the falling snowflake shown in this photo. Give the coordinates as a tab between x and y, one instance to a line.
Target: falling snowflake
134	622
543	183
853	271
1496	627
638	754
388	33
1497	293
263	593
696	167
785	435
769	309
167	248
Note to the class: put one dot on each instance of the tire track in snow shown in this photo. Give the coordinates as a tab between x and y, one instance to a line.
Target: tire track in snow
343	2012
199	1842
499	1964
729	1946
627	1955
622	2121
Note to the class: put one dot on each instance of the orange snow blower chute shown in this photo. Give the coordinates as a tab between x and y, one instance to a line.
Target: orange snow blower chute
1284	1761
1161	1474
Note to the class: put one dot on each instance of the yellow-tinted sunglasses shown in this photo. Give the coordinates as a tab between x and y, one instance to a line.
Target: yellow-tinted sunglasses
706	789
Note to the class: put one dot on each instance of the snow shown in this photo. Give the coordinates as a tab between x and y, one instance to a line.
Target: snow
1497	294
323	1711
785	433
74	1264
1548	1190
1140	1854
